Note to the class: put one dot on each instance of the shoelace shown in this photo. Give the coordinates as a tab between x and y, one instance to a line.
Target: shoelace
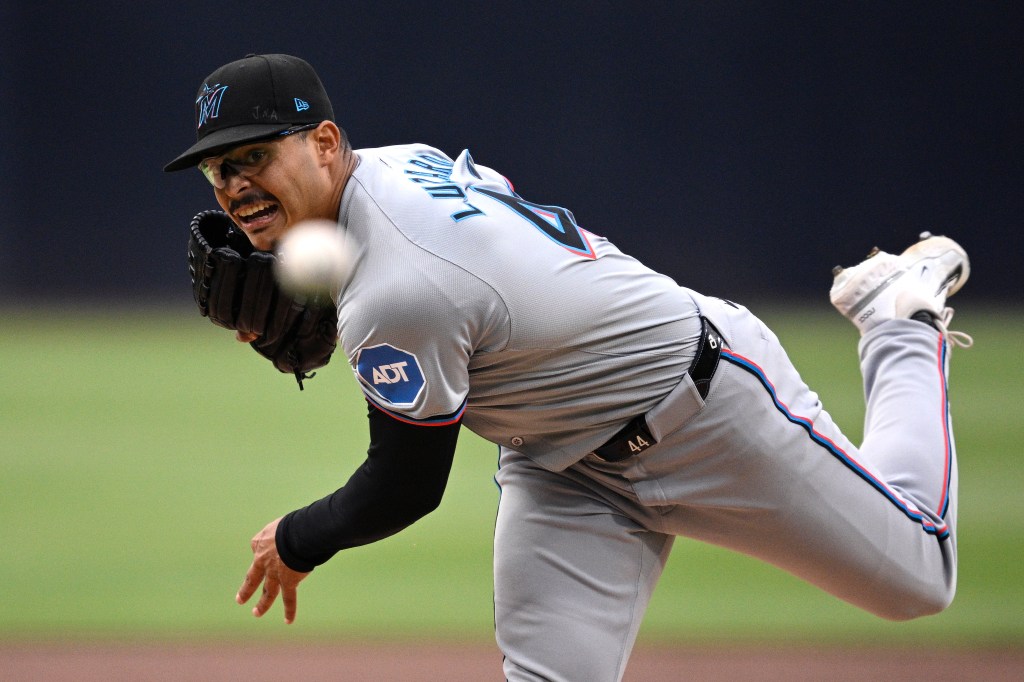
955	338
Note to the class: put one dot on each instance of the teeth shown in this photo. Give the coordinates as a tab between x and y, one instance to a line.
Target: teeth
253	208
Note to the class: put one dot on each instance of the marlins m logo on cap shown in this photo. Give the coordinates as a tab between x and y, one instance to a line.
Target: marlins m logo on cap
208	103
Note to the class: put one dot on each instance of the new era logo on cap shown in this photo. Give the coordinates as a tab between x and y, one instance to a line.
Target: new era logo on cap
301	104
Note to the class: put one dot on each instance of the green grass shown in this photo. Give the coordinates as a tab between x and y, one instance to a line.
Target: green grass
140	450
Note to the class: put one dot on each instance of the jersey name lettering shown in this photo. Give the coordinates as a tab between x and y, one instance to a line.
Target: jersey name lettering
434	175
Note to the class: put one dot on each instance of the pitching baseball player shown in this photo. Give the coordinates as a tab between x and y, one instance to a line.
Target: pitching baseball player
628	410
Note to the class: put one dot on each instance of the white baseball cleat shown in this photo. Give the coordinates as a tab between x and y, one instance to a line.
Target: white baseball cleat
886	287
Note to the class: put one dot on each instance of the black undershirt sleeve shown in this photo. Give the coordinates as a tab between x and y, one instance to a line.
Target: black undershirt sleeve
402	480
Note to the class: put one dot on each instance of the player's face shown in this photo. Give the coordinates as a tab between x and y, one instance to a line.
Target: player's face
267	186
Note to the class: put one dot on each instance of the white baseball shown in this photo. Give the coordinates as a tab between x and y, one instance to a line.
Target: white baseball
313	259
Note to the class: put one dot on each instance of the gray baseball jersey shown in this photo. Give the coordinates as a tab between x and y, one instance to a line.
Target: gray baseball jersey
467	298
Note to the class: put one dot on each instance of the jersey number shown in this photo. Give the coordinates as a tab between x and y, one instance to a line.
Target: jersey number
555	222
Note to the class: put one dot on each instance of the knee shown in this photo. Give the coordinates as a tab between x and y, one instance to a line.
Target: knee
917	604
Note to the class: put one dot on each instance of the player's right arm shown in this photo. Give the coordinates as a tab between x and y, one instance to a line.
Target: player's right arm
402	480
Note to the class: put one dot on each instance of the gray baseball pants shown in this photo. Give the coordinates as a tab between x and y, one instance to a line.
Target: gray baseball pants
759	468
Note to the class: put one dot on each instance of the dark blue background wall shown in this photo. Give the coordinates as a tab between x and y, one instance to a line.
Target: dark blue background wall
742	147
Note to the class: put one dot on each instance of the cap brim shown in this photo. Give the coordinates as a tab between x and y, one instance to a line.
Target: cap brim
222	140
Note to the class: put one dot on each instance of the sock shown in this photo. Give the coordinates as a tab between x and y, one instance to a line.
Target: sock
926	317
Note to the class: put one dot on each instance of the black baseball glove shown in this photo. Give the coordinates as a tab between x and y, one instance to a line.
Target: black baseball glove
233	284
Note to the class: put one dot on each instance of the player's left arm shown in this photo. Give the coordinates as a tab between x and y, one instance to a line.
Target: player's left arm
235	287
402	480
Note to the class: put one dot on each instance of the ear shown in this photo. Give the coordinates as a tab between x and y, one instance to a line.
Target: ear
327	137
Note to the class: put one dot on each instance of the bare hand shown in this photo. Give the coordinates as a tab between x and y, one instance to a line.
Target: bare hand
246	337
268	569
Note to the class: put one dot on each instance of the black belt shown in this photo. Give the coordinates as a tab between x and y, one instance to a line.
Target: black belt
635	437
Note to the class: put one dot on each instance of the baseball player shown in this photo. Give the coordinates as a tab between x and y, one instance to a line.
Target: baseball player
628	410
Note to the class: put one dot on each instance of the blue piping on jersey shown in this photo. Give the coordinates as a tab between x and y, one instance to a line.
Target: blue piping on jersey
946	431
443	420
941	532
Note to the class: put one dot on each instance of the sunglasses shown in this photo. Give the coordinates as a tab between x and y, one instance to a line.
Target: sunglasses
246	161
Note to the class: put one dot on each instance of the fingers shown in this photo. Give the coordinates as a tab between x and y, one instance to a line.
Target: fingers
246	337
253	578
289	595
271	588
268	569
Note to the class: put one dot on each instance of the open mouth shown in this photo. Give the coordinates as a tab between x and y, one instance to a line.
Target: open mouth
256	212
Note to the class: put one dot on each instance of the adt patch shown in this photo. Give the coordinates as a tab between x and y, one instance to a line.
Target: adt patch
391	373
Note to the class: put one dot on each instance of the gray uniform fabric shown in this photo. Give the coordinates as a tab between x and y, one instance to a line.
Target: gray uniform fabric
468	301
549	349
759	468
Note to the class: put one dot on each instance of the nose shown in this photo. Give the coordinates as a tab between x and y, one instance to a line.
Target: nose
236	184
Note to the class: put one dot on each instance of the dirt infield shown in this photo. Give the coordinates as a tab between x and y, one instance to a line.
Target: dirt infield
43	662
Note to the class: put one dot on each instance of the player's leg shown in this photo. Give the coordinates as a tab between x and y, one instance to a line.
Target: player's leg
915	285
763	469
572	576
902	424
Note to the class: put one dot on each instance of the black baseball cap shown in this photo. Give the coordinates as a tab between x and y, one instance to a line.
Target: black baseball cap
252	99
